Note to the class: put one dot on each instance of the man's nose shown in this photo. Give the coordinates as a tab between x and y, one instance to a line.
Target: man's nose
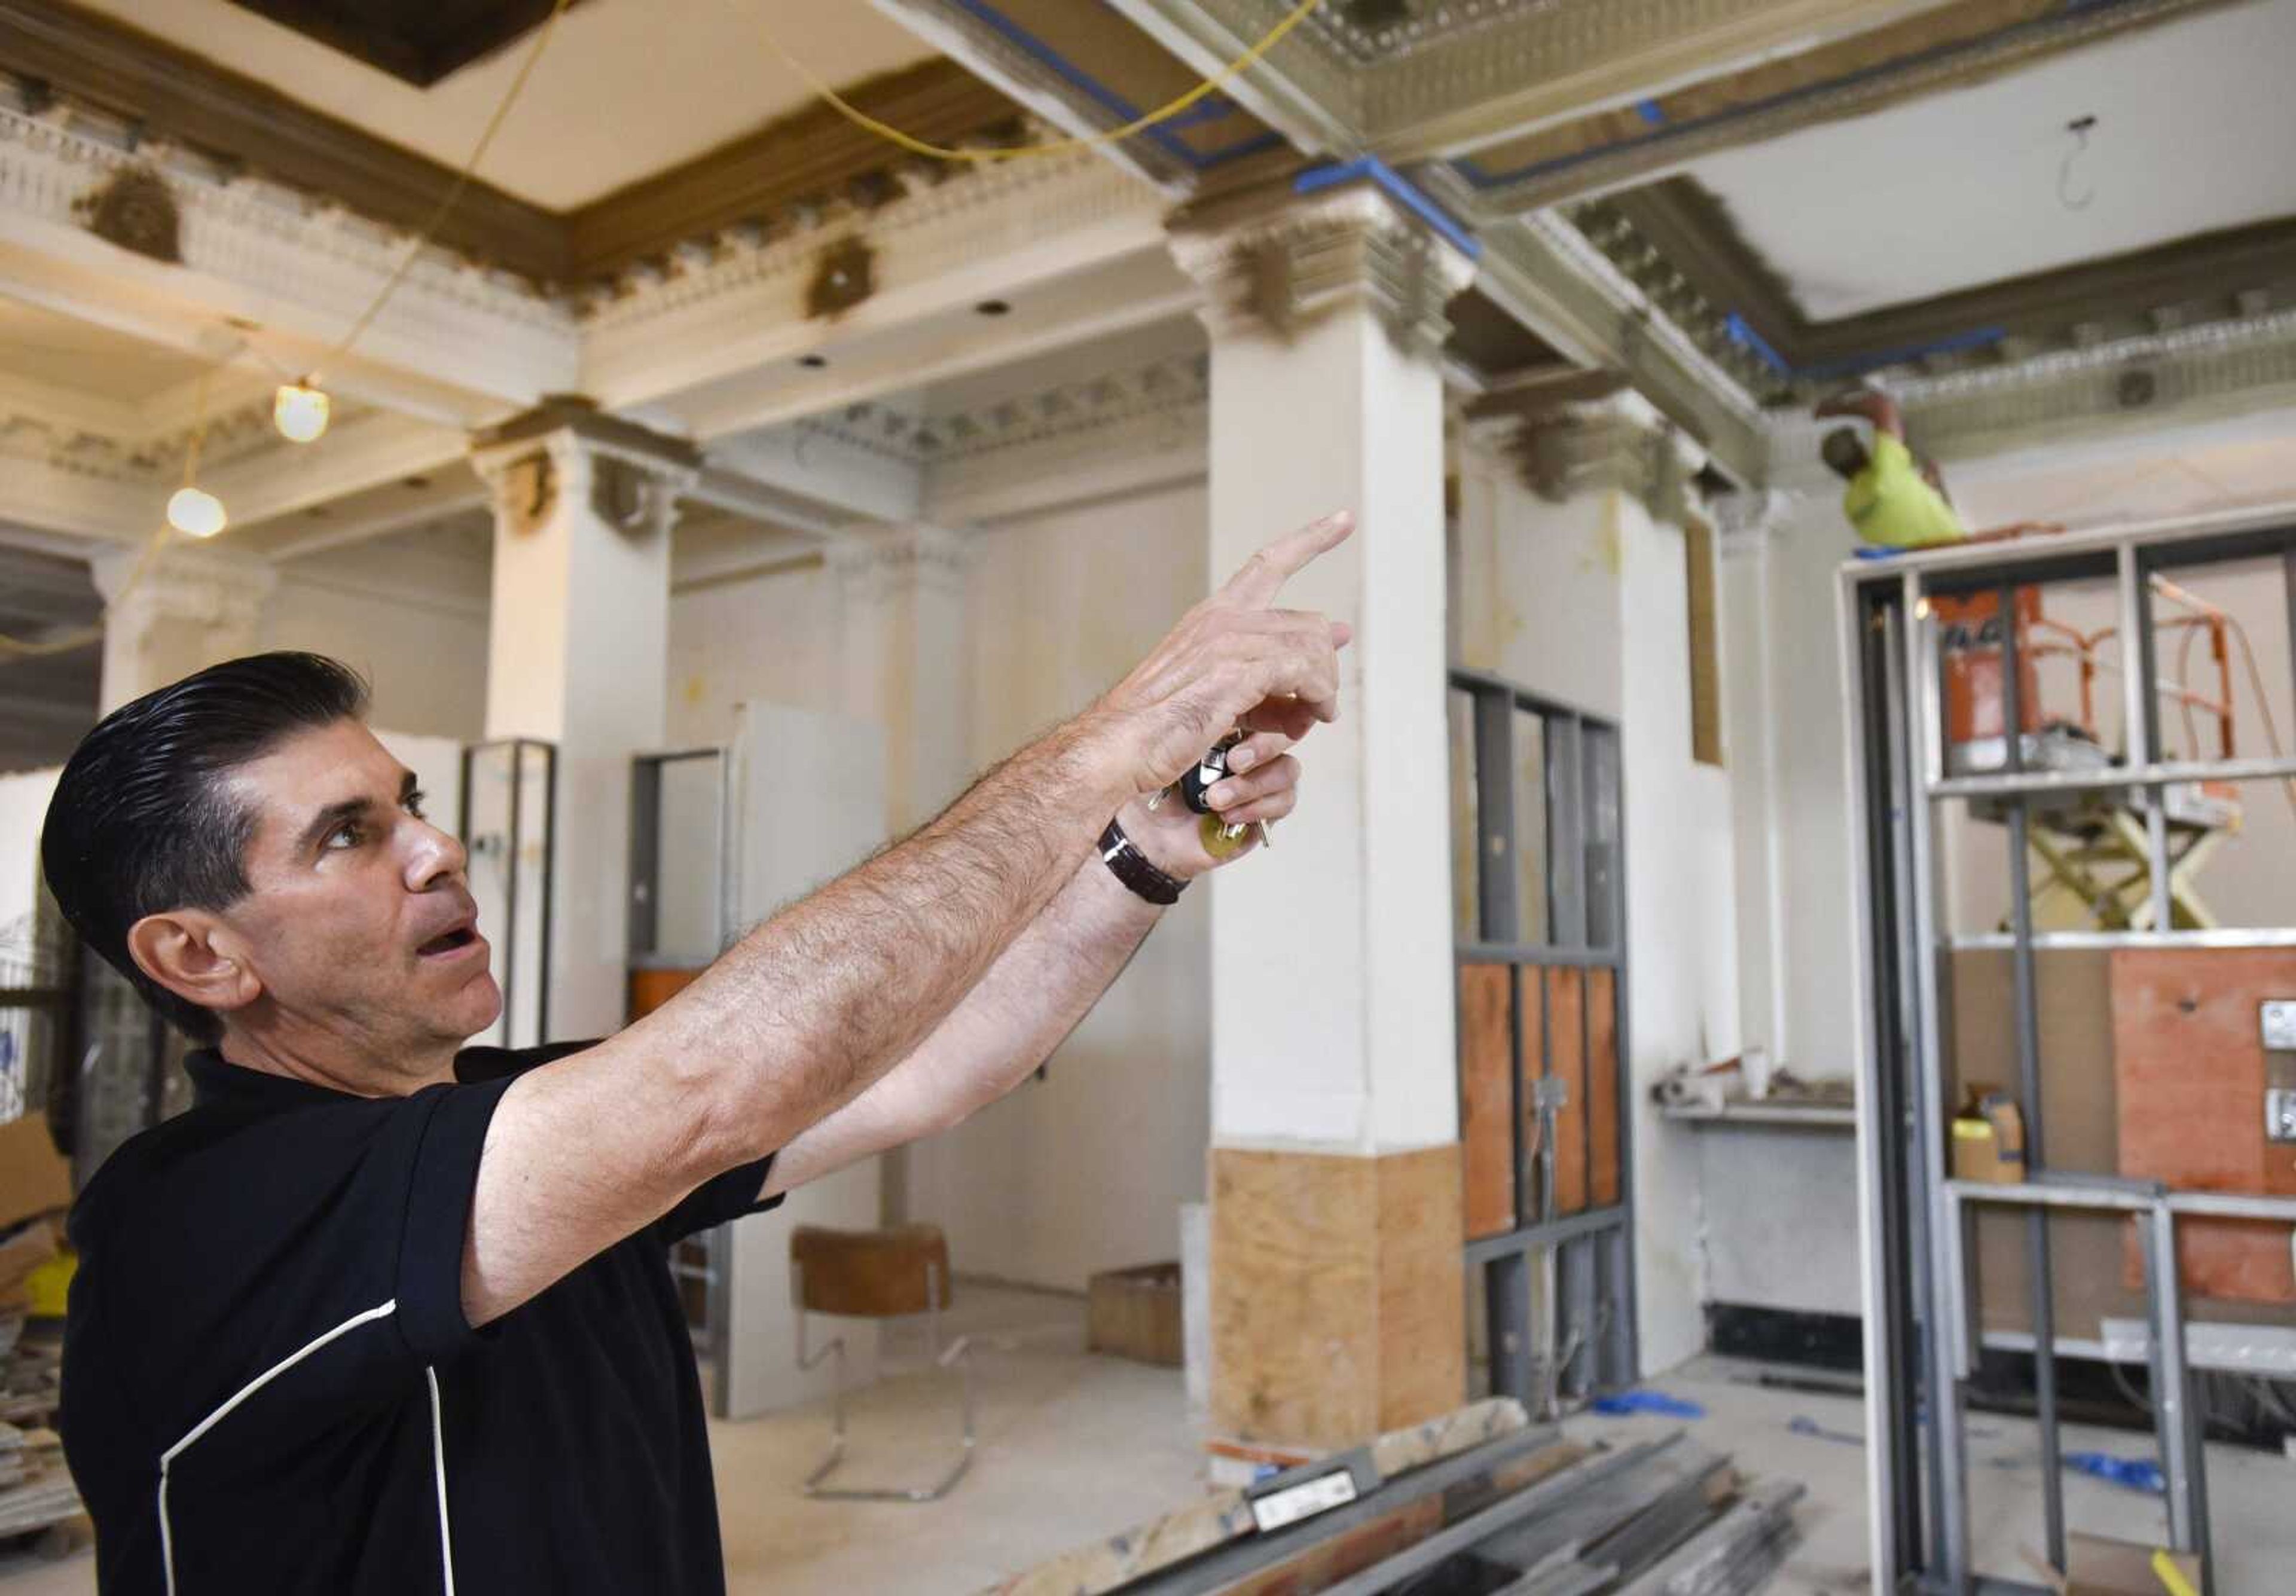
434	856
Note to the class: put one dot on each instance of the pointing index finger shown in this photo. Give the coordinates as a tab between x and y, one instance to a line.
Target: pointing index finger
1263	575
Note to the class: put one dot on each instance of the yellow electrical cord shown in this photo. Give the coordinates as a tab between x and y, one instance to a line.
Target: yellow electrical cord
462	180
917	146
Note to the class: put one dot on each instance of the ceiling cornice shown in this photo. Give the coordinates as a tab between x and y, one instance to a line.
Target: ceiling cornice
163	92
1679	243
152	94
1947	46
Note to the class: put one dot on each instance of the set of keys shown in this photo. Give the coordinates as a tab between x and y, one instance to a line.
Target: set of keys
1220	839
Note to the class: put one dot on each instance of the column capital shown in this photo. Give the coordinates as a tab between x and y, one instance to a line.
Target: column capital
631	476
224	588
871	561
1749	519
1589	433
1270	258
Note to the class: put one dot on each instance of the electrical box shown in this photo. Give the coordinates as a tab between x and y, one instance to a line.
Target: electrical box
2278	1023
2279	1114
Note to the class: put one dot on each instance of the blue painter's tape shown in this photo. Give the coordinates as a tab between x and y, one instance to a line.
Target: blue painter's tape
1651	112
1392	184
1976	338
1743	332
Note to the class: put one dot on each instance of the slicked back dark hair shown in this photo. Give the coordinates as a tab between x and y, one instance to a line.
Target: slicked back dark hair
143	822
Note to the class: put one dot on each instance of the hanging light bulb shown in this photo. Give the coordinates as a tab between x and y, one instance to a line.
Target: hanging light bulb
299	411
195	512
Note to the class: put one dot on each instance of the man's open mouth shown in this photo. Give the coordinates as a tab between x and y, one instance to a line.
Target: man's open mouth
452	942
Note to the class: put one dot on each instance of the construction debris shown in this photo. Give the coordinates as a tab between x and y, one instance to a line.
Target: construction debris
1519	1509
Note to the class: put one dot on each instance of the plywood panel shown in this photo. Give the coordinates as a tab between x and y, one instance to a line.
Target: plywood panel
1566	1061
1487	1095
1338	1294
1422	1297
1602	1087
1295	1305
2191	1071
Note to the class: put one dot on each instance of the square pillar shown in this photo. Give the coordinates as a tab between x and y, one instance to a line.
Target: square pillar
1336	1222
578	657
191	605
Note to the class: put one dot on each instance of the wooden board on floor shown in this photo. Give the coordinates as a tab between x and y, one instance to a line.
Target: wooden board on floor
1487	1095
2190	1066
1566	1061
1603	1086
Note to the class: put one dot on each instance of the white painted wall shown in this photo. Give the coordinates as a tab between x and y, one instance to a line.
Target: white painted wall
23	809
414	622
770	638
1681	921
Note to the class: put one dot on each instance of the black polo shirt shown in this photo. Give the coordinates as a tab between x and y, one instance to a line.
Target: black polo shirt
270	1385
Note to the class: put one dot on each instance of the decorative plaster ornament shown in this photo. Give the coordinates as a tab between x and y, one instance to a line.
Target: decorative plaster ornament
136	210
845	276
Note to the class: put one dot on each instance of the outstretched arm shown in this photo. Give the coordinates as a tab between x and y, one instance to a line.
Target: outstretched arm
1868	404
1045	984
808	1010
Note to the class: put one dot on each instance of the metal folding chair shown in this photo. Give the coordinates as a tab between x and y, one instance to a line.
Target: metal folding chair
884	1275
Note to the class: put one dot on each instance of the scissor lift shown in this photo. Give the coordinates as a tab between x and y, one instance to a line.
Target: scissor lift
2093	843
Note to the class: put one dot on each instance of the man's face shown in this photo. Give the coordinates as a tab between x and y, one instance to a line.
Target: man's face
359	920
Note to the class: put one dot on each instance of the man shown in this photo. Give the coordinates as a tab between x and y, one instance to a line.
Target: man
1894	500
377	1315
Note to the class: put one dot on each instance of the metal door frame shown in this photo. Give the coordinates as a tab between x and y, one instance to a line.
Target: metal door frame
1582	764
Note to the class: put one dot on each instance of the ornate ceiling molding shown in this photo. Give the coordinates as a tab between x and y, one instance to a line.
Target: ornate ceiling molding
2189	375
1281	261
1618	443
1679	244
1547	276
931	227
1175	388
1942	47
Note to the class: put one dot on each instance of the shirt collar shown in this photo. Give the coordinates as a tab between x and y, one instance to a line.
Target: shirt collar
215	1079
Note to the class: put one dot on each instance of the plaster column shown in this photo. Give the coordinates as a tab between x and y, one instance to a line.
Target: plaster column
194	606
578	657
1336	1274
1749	526
902	653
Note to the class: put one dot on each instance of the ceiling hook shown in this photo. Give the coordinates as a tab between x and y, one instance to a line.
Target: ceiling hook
2079	128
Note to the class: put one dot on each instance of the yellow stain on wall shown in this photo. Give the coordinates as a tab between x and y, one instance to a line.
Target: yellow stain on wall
697	688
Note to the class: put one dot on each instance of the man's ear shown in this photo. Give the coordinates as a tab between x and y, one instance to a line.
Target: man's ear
186	951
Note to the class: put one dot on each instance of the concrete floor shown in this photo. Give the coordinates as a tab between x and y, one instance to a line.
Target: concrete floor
1073	1447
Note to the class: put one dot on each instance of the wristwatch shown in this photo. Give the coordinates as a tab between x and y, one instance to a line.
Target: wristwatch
1133	868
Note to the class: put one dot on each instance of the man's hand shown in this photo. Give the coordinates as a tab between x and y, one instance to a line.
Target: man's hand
1263	785
1234	660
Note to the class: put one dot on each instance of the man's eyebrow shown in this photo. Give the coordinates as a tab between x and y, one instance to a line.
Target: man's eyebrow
325	821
